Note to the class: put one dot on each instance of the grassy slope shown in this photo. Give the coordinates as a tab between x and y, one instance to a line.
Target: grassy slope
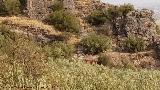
76	75
80	76
24	21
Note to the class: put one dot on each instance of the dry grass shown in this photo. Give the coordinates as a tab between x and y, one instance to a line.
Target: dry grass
24	21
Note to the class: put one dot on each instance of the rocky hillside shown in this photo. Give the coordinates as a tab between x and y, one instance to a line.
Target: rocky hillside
77	45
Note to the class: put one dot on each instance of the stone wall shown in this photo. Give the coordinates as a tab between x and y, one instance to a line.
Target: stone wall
38	9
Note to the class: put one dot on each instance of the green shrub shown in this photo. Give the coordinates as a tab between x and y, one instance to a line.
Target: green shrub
104	60
58	5
97	17
133	44
114	12
12	7
65	21
3	10
60	50
94	44
125	9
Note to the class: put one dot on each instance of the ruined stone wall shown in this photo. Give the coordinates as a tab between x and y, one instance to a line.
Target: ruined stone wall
38	9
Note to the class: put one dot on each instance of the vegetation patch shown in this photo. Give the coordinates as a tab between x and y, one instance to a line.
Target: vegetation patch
59	50
133	44
65	21
10	7
94	44
97	17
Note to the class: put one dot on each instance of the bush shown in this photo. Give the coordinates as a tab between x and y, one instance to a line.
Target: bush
12	7
3	10
59	50
114	12
125	9
65	21
104	60
94	44
133	44
97	17
122	62
58	5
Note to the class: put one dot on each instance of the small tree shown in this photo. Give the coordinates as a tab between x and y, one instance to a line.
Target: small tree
115	12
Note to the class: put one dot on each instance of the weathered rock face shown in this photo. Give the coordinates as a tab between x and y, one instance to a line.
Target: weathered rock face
142	24
138	23
38	9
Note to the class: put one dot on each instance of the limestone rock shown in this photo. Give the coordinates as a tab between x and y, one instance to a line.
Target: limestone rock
138	23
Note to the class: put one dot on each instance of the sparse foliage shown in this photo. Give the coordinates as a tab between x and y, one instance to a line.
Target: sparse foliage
97	17
104	60
94	44
65	21
12	7
134	44
59	50
58	5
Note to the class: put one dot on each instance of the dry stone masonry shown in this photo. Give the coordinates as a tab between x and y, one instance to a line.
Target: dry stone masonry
38	9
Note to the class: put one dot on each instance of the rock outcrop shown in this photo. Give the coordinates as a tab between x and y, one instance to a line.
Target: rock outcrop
142	24
139	23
